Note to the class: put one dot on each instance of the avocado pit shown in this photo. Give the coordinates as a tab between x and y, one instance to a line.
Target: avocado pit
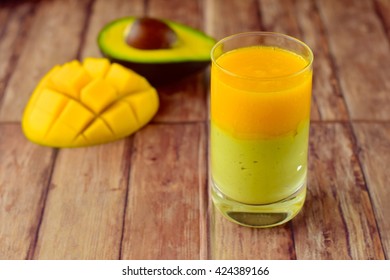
150	34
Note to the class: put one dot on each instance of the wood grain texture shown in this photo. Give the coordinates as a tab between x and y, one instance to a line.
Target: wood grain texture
165	218
146	197
102	12
300	19
362	55
337	221
25	170
83	215
184	100
53	38
229	241
224	18
327	94
13	21
280	17
374	142
4	14
186	12
383	11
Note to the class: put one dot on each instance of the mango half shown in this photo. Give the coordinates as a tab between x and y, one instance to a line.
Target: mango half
89	103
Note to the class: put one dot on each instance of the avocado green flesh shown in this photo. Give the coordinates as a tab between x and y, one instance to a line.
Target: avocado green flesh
191	46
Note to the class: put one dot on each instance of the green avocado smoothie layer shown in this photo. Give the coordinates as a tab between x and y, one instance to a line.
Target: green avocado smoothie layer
259	171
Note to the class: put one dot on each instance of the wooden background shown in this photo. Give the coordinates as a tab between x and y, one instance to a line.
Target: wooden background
146	196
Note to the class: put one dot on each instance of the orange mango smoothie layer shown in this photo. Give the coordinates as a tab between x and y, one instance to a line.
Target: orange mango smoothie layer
266	107
259	124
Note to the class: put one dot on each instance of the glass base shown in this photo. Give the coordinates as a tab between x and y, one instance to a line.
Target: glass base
259	216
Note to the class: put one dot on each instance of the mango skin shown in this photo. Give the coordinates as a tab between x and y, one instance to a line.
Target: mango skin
89	103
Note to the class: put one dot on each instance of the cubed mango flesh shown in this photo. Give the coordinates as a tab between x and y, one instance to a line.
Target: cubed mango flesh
89	103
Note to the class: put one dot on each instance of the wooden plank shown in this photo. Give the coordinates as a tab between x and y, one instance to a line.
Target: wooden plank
243	16
374	143
280	17
362	56
186	99
337	221
24	175
83	216
53	38
102	12
13	22
183	101
186	12
326	88
96	201
383	11
5	11
229	241
300	19
166	211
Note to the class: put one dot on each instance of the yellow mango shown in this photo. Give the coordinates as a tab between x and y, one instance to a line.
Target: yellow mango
117	112
93	102
96	67
125	81
70	79
97	95
136	101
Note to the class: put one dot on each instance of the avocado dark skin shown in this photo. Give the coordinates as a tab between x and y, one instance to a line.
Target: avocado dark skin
148	35
162	73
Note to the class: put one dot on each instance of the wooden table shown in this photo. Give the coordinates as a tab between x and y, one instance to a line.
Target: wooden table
146	196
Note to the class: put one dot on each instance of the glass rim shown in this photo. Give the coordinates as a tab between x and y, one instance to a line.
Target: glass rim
263	33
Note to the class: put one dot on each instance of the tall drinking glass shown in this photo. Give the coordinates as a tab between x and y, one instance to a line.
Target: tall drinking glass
261	86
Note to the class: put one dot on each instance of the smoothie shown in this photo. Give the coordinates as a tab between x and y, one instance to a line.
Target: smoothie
259	125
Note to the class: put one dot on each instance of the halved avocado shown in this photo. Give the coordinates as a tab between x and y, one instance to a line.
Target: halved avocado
186	51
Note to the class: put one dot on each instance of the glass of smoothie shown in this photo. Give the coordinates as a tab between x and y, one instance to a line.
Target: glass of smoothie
261	85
